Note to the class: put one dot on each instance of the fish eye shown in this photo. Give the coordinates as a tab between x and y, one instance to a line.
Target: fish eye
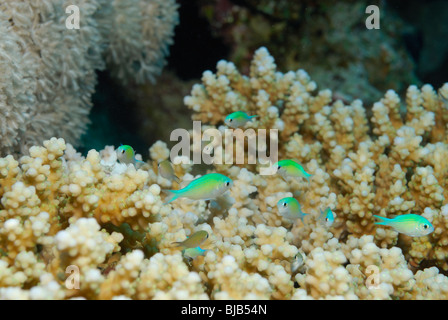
285	204
279	167
230	120
425	226
122	150
326	219
227	183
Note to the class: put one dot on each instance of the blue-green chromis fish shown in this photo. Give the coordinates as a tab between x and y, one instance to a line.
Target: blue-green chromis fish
166	170
326	217
207	187
290	209
412	225
291	168
126	154
191	253
238	119
193	241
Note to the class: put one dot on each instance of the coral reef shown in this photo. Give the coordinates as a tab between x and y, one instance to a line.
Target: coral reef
48	71
330	40
89	227
136	50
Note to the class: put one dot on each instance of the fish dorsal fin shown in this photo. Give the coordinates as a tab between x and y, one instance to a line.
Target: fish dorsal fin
185	183
298	162
322	213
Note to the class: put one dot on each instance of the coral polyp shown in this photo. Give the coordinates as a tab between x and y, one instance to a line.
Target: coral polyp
108	221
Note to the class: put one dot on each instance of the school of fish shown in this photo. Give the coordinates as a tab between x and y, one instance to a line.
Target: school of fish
213	185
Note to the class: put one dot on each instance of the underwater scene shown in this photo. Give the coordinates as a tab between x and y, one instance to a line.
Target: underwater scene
223	150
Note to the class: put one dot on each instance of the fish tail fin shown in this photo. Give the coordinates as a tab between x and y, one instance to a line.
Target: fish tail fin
177	244
322	214
172	195
302	215
251	117
382	220
308	176
139	162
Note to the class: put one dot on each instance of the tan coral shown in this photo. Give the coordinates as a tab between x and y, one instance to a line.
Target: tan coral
325	276
109	219
122	280
84	245
429	284
167	277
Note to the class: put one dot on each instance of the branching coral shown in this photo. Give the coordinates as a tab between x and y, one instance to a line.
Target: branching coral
319	36
391	172
59	209
361	168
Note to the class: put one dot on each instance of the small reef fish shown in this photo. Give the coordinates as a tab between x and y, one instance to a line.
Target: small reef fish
238	119
126	154
193	241
191	253
207	187
296	263
291	168
166	170
326	217
412	225
290	209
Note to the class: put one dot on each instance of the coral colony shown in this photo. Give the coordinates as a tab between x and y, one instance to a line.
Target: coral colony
47	91
94	227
